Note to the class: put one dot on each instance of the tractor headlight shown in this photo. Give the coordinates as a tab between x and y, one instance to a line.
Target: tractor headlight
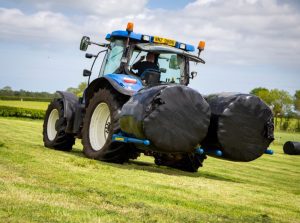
182	46
146	38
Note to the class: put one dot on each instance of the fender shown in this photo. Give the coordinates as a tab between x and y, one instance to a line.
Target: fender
122	83
70	103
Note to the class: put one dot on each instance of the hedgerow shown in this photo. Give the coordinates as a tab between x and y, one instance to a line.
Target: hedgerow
6	111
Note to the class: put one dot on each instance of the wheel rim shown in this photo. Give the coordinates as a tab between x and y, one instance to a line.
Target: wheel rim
51	131
99	126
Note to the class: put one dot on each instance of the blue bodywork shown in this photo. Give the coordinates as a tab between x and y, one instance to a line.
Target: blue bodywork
213	152
120	137
139	37
219	153
119	81
269	151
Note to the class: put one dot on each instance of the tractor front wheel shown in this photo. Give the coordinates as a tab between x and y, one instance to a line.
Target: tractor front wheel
100	123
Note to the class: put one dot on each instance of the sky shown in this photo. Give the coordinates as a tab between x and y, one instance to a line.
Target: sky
249	43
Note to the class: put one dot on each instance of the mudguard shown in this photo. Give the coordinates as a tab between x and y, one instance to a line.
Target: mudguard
122	83
125	84
70	103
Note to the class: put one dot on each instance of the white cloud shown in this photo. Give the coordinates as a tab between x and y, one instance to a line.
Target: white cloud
40	26
99	7
236	31
253	31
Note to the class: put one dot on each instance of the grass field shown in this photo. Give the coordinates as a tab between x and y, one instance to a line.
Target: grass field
42	185
25	104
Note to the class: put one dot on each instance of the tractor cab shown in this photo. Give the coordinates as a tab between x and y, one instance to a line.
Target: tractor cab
127	48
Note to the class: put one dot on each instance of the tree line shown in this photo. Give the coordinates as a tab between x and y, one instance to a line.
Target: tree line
285	106
7	93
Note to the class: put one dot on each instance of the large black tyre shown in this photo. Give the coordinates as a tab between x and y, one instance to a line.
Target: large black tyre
186	162
54	135
101	121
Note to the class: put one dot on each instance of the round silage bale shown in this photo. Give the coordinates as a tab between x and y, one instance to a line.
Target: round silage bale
291	148
174	118
241	126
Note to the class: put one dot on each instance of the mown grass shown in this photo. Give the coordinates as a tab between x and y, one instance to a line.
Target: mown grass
25	104
42	185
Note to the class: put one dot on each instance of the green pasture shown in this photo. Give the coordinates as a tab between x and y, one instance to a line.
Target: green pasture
43	185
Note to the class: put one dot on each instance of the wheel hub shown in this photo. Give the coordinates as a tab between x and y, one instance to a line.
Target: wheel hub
51	125
99	126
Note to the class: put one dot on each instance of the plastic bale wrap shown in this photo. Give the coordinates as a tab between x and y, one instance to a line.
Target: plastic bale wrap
174	118
291	148
241	126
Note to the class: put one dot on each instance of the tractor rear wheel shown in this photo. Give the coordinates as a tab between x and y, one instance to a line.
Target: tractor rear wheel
101	121
54	127
185	162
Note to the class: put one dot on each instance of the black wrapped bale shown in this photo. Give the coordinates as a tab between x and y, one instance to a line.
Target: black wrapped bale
241	126
174	118
291	148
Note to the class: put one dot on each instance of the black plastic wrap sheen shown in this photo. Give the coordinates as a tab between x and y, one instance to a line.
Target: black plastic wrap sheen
174	118
241	126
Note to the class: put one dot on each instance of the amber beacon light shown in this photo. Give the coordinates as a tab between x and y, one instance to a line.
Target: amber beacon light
129	27
201	47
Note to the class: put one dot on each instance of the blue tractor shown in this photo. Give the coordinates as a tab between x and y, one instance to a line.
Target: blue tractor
96	116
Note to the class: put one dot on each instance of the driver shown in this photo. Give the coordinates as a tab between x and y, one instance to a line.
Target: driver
141	65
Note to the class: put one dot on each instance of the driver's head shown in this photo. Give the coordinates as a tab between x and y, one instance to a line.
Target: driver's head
150	57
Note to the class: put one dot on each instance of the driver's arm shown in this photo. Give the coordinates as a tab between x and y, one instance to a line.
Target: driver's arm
136	65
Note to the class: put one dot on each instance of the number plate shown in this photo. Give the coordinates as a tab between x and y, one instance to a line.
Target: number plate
161	40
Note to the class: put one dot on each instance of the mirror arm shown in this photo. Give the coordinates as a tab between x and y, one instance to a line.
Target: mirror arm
99	44
94	63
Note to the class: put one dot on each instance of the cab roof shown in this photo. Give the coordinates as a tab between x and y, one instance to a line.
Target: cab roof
151	39
157	48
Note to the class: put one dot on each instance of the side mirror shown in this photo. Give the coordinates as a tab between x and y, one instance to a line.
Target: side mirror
84	43
86	73
193	74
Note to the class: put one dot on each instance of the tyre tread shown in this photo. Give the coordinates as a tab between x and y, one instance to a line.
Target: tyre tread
63	141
